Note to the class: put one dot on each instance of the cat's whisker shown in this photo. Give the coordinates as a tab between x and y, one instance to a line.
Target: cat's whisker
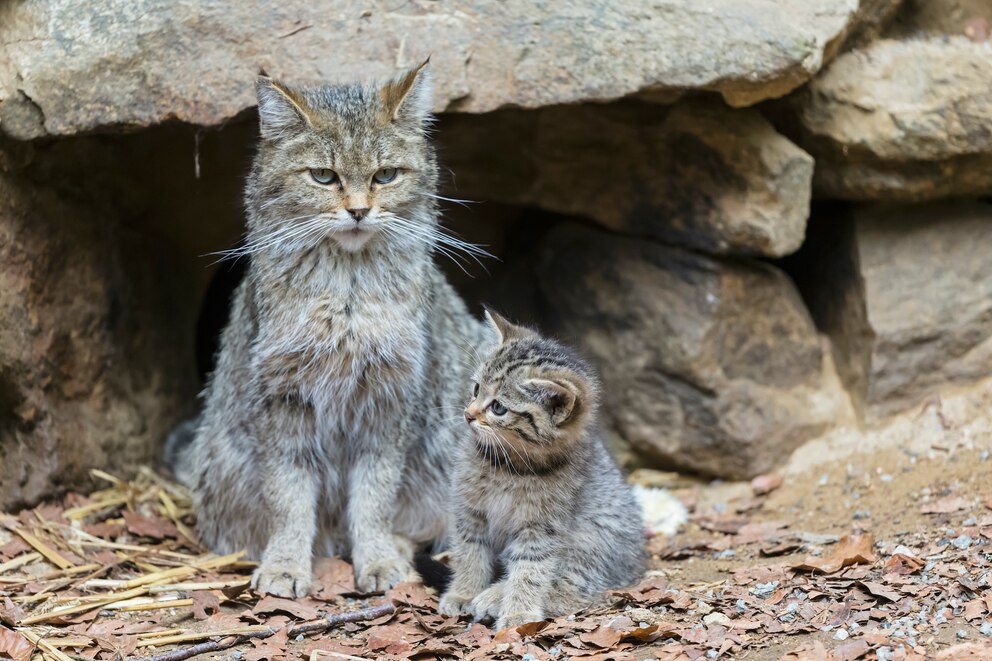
455	200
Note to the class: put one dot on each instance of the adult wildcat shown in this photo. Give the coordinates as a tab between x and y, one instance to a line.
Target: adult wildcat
330	416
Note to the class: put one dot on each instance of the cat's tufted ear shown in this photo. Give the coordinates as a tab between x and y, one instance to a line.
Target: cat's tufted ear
507	331
281	110
558	398
411	96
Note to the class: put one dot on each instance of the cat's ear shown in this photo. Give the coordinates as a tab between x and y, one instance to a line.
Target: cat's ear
281	110
411	96
505	329
558	398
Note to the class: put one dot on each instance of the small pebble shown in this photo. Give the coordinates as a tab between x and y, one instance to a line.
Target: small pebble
712	654
986	629
765	589
884	653
741	606
970	521
885	477
528	657
962	542
961	633
824	480
840	634
984	456
300	638
236	655
862	514
726	553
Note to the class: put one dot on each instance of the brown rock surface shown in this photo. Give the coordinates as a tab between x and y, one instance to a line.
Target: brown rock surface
74	65
707	365
698	174
902	120
914	312
85	338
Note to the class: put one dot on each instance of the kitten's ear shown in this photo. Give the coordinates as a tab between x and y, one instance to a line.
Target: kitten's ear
411	96
507	331
558	398
281	111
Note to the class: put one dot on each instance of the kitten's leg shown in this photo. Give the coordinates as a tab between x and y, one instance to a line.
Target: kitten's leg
471	560
373	487
290	489
531	565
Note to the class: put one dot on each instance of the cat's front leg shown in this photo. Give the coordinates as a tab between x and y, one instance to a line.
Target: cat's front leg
289	487
530	560
373	487
471	561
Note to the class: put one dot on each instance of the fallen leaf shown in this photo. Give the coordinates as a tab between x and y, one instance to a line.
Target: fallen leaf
903	564
946	505
811	652
14	645
974	651
269	649
879	590
10	613
333	577
531	629
850	550
272	604
145	527
205	604
850	651
604	636
765	484
413	594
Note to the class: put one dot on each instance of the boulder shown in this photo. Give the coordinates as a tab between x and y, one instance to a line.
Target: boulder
75	65
91	355
902	120
909	303
708	365
697	174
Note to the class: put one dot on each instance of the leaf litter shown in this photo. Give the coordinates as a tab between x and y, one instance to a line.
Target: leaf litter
118	574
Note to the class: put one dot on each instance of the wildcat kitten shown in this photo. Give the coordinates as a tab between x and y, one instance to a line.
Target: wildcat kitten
327	423
536	491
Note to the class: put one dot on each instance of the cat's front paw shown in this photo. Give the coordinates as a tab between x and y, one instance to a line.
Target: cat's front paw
513	620
454	604
282	579
488	604
381	575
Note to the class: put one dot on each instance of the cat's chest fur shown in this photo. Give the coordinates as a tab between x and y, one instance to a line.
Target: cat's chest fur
342	338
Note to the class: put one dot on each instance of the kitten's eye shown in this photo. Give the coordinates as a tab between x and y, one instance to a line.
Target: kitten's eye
497	407
323	176
475	390
384	176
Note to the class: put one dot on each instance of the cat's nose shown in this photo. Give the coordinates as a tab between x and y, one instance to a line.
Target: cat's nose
358	214
469	415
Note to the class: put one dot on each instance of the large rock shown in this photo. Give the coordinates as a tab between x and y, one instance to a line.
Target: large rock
91	368
74	65
909	301
902	120
697	174
708	365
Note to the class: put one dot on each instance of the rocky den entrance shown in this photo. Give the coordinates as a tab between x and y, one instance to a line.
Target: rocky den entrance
765	224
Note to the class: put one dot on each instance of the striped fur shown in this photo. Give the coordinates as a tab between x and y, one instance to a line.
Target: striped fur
535	491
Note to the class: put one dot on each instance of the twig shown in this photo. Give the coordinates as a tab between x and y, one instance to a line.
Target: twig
303	629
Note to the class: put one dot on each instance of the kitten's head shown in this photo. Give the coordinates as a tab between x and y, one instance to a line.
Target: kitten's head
532	398
351	162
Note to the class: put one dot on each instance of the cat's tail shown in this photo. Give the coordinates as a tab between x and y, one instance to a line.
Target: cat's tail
663	513
175	454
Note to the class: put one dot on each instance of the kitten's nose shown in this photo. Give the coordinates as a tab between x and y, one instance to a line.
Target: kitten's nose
358	214
469	414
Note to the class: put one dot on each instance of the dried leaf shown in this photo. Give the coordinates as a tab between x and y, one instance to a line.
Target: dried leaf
272	604
205	604
765	484
946	505
333	577
880	590
145	527
14	645
851	550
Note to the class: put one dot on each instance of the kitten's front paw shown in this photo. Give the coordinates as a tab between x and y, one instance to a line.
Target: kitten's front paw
282	579
514	620
488	604
381	575
454	604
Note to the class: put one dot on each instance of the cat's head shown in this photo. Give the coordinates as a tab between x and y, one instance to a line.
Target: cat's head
531	399
352	163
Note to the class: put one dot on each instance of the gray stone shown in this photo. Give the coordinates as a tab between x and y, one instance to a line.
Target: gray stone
707	365
697	174
902	120
911	311
86	64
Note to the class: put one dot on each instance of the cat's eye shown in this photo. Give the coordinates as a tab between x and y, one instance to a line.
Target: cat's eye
323	176
497	407
475	390
385	175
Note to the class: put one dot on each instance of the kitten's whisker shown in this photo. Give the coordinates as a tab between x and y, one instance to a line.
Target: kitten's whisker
457	201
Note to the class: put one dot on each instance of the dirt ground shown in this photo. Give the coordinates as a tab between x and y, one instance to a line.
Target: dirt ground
867	544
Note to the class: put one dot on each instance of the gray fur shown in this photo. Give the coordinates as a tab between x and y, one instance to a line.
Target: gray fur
535	491
329	419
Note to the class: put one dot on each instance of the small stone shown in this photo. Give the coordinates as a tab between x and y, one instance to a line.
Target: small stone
841	634
984	456
986	629
528	657
824	480
961	633
726	553
885	477
962	542
970	521
862	514
741	606
764	589
717	618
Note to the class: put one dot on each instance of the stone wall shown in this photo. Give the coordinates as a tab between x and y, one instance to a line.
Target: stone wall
761	218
